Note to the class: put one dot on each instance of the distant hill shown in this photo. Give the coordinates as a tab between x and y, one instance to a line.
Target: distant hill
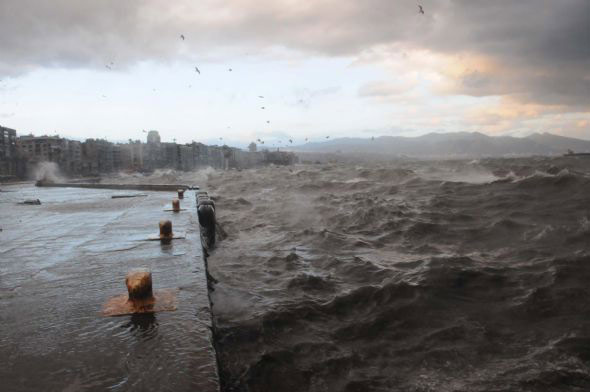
458	144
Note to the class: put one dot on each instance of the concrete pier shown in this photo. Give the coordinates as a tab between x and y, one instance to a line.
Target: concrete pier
62	260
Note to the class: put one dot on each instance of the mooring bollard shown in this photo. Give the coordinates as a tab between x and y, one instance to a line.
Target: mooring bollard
175	205
181	193
139	285
166	234
140	297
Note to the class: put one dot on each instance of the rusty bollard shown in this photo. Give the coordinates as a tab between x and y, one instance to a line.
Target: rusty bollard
140	297
181	193
139	286
175	205
166	231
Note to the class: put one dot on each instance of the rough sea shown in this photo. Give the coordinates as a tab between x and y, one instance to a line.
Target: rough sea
403	276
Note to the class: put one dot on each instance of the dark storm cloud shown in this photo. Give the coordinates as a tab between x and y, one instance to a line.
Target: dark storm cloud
542	45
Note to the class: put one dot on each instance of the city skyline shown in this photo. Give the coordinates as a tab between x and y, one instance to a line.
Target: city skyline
283	70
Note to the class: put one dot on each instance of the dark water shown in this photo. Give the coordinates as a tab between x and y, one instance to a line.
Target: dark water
432	276
62	260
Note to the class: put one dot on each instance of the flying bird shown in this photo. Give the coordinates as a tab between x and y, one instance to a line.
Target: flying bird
197	70
268	121
108	66
420	9
262	107
305	139
144	131
327	137
230	70
290	141
182	36
260	96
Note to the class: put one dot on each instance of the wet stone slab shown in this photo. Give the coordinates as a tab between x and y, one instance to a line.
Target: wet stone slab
62	260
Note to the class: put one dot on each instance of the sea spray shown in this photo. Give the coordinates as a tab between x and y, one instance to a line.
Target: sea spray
47	172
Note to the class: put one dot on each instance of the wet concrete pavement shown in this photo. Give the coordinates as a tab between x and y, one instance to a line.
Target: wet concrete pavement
60	262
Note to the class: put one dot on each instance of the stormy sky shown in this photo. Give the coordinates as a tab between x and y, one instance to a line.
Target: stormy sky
112	68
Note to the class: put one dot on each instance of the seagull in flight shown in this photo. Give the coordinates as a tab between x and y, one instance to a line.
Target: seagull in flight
197	70
182	36
420	9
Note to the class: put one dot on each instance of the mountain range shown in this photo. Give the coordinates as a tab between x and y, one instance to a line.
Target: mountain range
457	144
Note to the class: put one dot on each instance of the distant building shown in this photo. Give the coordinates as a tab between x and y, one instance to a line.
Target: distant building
153	137
97	157
11	164
132	155
42	148
73	157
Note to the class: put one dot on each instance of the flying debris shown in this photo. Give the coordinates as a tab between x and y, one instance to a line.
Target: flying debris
182	36
420	9
197	70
